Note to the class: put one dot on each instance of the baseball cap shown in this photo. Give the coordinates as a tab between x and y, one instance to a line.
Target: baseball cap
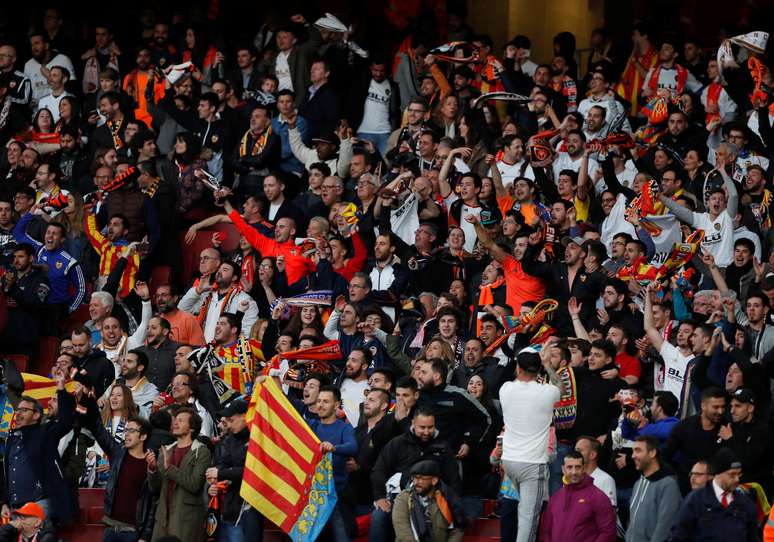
725	459
490	217
237	406
31	509
426	467
577	240
744	395
529	360
326	137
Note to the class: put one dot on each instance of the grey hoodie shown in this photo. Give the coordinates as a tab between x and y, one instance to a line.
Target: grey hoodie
653	508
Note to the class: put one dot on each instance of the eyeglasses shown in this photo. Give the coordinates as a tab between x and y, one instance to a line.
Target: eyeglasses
205	258
362	184
23	409
357	285
131	430
265	266
323	187
416	110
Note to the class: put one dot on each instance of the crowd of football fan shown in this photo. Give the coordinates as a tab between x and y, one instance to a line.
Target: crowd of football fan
496	274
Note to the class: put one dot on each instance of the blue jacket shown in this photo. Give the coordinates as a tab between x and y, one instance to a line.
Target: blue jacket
288	161
64	271
342	435
659	429
702	517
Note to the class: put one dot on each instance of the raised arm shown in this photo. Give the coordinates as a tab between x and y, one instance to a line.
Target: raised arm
733	195
483	237
650	329
678	210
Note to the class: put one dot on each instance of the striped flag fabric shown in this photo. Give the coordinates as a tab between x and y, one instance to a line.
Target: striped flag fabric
286	476
43	388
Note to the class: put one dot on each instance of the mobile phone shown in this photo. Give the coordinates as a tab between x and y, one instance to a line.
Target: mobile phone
143	247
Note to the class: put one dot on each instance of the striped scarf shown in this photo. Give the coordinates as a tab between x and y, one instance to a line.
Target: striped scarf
202	316
257	145
566	408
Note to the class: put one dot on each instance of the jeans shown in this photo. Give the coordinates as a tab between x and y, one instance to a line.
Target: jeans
115	536
230	532
530	480
555	467
509	519
379	140
472	507
381	527
336	529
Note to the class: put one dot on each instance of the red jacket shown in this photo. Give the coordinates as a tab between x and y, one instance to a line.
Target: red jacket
579	513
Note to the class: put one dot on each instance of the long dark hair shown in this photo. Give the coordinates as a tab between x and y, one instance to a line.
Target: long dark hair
192	148
478	129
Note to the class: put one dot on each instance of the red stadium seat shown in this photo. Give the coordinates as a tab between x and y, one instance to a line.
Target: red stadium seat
20	360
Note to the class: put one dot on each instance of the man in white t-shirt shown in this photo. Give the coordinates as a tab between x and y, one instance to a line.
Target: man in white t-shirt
513	163
57	79
670	374
43	59
354	384
528	409
376	125
574	155
589	448
717	223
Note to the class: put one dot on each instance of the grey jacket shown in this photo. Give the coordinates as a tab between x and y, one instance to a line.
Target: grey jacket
653	508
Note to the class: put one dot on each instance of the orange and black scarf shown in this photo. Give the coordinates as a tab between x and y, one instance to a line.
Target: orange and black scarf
258	144
202	316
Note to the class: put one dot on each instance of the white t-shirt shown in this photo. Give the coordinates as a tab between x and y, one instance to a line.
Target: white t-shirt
718	236
467	227
667	79
528	408
615	223
282	71
509	172
39	82
565	161
352	394
604	482
273	208
671	375
376	113
51	103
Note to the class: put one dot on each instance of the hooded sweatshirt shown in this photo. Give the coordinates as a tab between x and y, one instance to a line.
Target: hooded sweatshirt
579	512
653	508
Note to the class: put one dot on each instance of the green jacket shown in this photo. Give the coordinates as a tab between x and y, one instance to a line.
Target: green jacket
402	524
187	511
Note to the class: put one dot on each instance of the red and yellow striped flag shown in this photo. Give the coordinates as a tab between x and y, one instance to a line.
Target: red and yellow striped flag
42	388
282	456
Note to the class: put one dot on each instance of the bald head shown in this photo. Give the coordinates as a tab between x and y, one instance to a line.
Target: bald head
284	230
209	261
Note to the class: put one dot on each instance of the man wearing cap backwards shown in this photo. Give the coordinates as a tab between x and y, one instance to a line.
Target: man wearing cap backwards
229	465
748	438
427	509
33	468
720	510
579	511
27	526
528	409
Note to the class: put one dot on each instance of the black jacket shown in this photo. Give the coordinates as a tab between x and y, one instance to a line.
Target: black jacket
369	445
687	444
402	452
100	370
321	111
357	100
702	517
586	288
750	442
30	294
459	417
146	505
161	363
40	443
230	461
491	372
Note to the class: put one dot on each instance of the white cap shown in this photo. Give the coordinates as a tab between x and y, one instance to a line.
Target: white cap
754	41
331	23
